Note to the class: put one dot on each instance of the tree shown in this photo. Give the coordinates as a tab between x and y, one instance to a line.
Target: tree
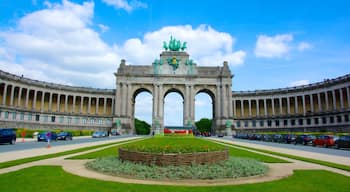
204	125
142	127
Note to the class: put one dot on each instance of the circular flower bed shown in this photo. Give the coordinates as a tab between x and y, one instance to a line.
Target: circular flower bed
231	168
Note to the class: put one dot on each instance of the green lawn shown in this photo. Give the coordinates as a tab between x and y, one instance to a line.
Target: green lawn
41	157
53	178
180	142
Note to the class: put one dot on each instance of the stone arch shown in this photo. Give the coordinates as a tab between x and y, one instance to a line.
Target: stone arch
211	93
176	90
136	91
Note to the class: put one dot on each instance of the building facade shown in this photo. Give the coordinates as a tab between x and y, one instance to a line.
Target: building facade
27	103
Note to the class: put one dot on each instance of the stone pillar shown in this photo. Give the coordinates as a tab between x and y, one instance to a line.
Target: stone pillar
97	105
192	95
288	105
341	99
304	106
265	107
118	99
27	98
348	96
312	103
124	89
334	100
242	108
229	99
104	105
224	106
12	95
129	107
81	103
58	102
273	106
155	102
50	101
250	107
5	95
34	99
319	102
234	108
186	105
296	106
326	98
257	108
280	104
19	97
66	103
42	101
218	101
74	102
89	105
161	106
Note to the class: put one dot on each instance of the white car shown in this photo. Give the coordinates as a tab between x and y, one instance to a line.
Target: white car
98	134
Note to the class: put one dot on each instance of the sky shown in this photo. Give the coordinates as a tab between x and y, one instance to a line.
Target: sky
268	44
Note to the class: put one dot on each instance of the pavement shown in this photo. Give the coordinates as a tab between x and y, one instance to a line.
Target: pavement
276	170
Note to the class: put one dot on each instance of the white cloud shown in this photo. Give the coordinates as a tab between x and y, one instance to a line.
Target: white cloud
124	4
304	46
275	46
64	47
103	28
205	45
57	44
299	83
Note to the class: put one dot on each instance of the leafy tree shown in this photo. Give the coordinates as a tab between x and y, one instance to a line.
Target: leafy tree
204	125
142	127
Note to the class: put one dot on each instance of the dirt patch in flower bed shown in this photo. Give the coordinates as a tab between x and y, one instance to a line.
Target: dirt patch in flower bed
165	159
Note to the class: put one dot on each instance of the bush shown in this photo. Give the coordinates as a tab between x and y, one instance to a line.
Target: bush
204	125
142	127
232	168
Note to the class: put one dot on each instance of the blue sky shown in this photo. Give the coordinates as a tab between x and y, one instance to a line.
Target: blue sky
268	44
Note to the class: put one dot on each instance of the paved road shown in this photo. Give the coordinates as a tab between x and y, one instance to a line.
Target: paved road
330	151
34	144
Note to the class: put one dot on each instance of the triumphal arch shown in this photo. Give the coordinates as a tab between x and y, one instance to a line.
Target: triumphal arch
173	71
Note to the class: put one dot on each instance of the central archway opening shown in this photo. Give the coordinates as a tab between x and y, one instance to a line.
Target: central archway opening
173	108
142	116
204	112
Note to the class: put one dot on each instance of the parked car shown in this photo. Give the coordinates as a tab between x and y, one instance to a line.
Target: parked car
99	134
7	136
49	135
288	138
65	136
304	139
220	135
277	138
342	142
324	140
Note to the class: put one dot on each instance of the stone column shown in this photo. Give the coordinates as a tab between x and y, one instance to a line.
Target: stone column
155	102
19	97
66	103
161	105
129	108
326	98
304	106
27	98
281	106
89	105
104	105
229	99
234	108
312	103
58	102
319	102
257	107
192	95
12	95
186	105
34	99
74	102
296	106
124	89
273	106
218	101
81	103
250	107
348	96
5	95
42	101
50	101
265	107
334	100
97	104
341	99
224	105
288	105
242	108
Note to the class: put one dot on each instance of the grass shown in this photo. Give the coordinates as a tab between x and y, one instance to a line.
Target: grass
325	163
111	151
41	157
173	145
55	179
231	168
